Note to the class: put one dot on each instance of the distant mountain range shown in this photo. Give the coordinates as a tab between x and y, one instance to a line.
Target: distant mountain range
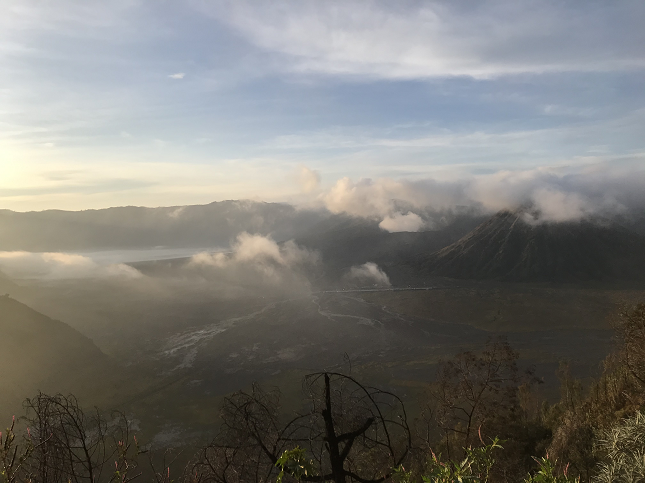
510	248
212	225
464	245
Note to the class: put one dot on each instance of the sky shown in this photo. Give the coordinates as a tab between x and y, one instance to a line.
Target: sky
159	103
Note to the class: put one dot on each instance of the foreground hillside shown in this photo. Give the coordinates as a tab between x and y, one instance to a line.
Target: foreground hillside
481	420
42	354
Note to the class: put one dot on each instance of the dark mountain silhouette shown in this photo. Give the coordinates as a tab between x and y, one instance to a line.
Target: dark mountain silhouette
506	247
42	354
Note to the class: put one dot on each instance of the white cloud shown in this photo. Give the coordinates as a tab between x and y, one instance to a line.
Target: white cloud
58	266
400	222
368	274
442	38
308	179
259	260
250	248
178	75
555	205
261	250
384	197
556	193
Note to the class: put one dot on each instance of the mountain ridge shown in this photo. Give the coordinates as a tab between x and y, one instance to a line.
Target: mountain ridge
213	224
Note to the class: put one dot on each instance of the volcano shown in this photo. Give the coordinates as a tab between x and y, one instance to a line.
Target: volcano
511	246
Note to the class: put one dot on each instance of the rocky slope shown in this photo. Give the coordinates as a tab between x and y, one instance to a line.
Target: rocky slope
507	247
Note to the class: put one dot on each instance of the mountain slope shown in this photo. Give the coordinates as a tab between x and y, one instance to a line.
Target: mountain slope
508	248
344	241
42	354
6	285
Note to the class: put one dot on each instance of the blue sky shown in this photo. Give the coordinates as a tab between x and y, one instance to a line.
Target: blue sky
321	102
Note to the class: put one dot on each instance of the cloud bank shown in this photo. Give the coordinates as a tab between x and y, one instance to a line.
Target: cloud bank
60	266
555	194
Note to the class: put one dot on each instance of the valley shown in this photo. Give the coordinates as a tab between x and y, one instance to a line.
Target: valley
391	338
183	333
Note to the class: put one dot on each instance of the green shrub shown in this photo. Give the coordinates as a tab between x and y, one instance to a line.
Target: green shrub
475	467
623	448
547	473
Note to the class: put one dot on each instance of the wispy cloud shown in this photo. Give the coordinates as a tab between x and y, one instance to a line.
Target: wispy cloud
443	38
178	75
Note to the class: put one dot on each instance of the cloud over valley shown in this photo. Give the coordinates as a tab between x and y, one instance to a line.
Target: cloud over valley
552	194
368	274
258	259
61	266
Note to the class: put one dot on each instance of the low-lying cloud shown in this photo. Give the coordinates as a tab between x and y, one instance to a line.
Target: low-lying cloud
552	194
259	260
60	266
368	274
402	222
255	264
